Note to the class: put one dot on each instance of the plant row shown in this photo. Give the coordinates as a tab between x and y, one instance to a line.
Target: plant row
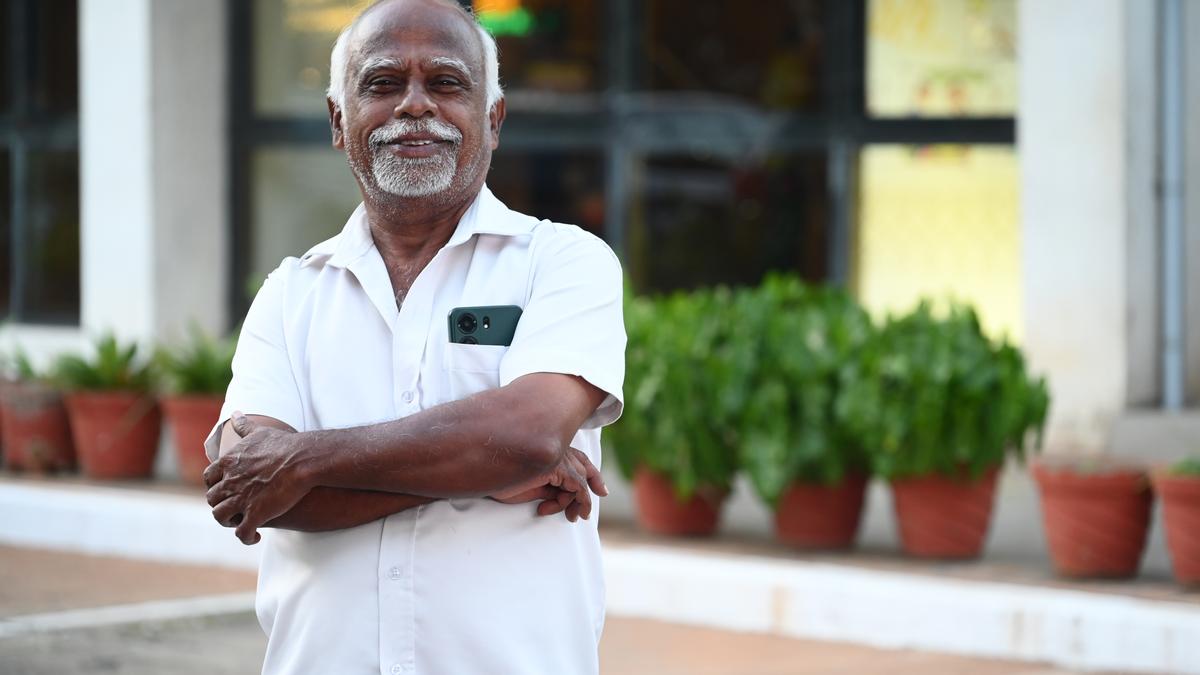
797	388
103	412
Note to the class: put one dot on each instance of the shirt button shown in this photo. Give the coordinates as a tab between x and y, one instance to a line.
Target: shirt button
407	397
395	573
397	669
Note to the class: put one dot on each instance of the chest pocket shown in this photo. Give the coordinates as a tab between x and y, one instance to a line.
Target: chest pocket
471	369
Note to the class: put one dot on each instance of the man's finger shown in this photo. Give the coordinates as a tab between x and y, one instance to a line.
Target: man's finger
212	474
573	511
550	507
247	530
241	424
226	513
217	493
595	479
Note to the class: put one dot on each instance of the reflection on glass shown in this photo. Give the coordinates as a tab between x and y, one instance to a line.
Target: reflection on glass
700	222
941	58
565	188
55	79
769	54
6	207
301	197
941	222
292	42
50	247
546	45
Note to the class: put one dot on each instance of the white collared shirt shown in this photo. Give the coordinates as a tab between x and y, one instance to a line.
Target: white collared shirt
457	586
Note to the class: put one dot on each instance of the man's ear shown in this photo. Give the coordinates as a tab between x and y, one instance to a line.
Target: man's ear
495	121
335	124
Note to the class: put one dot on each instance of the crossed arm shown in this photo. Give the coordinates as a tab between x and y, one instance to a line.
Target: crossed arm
511	443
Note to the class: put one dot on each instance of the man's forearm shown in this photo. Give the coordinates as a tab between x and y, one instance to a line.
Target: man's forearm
324	509
478	446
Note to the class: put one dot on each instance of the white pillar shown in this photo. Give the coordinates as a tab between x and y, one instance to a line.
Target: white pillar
1071	138
116	236
153	166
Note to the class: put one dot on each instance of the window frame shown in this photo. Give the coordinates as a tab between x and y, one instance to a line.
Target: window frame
622	127
24	131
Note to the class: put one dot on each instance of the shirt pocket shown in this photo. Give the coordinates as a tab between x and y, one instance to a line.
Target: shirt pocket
471	369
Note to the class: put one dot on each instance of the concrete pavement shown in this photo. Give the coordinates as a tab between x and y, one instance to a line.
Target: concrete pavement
47	583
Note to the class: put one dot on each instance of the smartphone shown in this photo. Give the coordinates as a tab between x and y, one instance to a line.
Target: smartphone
490	325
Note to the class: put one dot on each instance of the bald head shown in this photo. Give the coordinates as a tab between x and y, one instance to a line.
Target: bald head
348	43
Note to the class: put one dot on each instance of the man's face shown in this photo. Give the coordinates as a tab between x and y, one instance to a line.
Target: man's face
415	122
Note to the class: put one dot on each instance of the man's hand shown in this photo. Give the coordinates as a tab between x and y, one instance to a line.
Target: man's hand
564	488
258	480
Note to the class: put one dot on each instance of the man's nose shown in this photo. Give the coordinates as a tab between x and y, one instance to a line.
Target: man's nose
416	102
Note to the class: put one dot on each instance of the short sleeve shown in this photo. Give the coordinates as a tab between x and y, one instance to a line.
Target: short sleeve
263	380
572	322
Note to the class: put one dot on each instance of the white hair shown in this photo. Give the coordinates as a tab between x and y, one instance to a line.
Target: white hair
341	54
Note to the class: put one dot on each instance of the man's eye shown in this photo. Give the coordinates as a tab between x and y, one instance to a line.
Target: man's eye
446	82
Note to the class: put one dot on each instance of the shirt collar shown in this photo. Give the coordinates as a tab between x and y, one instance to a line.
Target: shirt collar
486	215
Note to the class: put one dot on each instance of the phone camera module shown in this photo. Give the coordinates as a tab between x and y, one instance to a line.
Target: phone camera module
467	323
470	340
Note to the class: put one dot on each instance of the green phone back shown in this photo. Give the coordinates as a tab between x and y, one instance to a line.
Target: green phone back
486	325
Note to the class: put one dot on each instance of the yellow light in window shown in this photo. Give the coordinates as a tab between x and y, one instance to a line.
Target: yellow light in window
941	222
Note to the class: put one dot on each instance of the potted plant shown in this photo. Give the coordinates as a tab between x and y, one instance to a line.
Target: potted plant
1096	514
939	408
36	434
196	376
803	461
114	417
1179	487
685	374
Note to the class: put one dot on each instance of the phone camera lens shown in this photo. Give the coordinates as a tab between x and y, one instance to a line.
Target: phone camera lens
470	340
467	323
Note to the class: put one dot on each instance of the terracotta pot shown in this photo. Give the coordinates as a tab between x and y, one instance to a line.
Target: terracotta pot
816	516
944	517
661	512
116	433
1181	515
1096	521
191	419
36	434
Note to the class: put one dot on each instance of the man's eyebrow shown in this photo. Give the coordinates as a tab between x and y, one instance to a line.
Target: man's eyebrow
380	62
450	62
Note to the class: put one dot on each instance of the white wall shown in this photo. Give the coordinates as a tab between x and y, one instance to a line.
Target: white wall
1071	138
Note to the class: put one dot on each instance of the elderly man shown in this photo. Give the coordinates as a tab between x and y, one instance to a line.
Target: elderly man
407	484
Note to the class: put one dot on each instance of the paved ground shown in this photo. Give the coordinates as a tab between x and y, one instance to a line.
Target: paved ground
39	582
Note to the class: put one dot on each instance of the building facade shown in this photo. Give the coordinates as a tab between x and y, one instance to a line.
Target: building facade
157	157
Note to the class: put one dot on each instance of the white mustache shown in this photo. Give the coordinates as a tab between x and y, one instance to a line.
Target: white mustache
395	130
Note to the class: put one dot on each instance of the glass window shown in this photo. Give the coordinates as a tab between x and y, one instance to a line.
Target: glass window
770	55
546	46
6	207
50	245
697	222
292	41
941	58
563	187
941	221
56	69
5	59
302	196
